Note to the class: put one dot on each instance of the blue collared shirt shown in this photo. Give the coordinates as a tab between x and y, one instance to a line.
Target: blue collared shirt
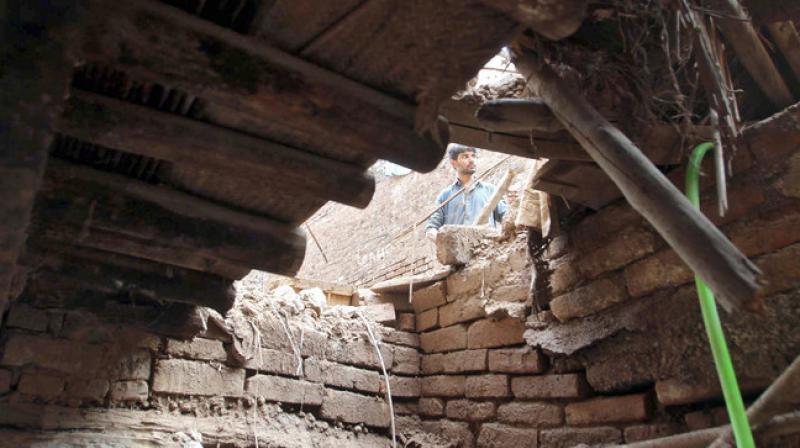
467	206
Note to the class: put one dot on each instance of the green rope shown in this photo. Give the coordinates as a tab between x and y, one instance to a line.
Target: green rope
716	338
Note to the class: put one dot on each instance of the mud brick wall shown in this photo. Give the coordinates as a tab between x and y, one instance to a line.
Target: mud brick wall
358	243
85	373
619	353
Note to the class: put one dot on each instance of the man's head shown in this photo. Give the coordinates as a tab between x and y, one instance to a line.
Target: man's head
462	158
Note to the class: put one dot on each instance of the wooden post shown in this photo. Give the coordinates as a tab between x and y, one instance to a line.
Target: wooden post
488	209
786	39
696	240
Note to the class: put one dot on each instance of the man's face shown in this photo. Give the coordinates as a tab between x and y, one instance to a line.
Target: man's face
464	163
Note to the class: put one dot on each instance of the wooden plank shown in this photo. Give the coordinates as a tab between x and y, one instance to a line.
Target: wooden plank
64	271
517	114
732	277
400	285
255	88
553	20
109	212
516	145
747	45
784	34
334	288
33	77
581	182
136	129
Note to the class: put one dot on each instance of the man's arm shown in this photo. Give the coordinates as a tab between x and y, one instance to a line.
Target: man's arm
436	220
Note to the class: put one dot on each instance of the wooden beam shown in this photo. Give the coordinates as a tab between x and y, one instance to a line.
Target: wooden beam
140	130
249	86
517	145
33	79
502	188
517	114
104	211
61	271
747	45
552	19
784	34
697	241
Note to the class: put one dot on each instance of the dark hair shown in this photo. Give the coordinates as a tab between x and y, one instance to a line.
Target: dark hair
454	149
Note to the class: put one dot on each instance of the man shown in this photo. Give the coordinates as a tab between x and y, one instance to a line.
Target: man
469	204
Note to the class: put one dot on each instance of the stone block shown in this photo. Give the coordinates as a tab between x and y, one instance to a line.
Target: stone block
491	333
405	362
456	432
198	348
769	232
570	385
285	390
517	292
382	313
358	352
530	413
471	411
564	275
589	299
468	280
638	433
273	361
444	340
5	381
406	322
462	361
129	365
428	319
91	389
52	353
431	407
25	316
516	360
402	386
487	386
661	270
40	384
354	408
570	437
443	386
133	390
629	245
430	296
184	377
781	269
456	244
628	408
345	377
462	310
396	337
495	435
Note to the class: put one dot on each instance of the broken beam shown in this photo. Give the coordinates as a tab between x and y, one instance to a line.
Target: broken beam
554	20
140	130
517	145
247	85
696	240
517	114
87	207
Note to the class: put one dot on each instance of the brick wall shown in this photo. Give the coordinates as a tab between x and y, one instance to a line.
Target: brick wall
619	354
359	244
90	373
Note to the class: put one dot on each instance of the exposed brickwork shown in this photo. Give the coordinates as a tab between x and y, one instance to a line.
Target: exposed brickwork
443	386
463	361
41	384
471	411
346	377
657	271
463	310
431	407
490	333
516	360
494	435
487	386
199	348
594	297
569	437
405	362
179	376
630	245
273	361
90	389
5	381
638	433
530	414
285	390
629	408
402	386
430	296
458	432
354	408
428	319
25	316
570	385
444	340
406	322
132	390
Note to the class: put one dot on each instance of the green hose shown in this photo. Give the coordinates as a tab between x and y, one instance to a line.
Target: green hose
716	338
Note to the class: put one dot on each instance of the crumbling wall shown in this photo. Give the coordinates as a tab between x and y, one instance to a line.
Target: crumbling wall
619	353
244	378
